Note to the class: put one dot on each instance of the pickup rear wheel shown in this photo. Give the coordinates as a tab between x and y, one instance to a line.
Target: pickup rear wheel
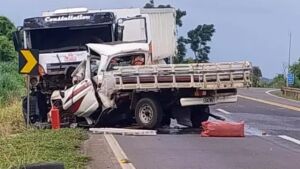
148	113
199	114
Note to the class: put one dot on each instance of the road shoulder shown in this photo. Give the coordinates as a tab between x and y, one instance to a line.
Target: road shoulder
262	95
100	153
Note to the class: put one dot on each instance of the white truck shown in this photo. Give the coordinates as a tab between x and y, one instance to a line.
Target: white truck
61	37
120	82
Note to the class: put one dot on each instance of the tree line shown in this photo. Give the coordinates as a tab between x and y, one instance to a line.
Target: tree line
11	82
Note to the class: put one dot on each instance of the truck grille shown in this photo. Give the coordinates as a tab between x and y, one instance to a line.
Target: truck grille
57	68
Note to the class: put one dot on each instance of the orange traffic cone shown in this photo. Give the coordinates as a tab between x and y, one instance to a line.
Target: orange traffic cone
55	118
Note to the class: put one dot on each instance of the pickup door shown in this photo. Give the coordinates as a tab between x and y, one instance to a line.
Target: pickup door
81	99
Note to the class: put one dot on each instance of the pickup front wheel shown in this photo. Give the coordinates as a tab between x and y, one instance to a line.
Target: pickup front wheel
148	113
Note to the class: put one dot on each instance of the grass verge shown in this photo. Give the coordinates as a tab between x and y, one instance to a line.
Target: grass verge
34	146
11	119
20	146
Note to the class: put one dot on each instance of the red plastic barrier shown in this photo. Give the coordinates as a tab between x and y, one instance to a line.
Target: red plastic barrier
222	129
55	118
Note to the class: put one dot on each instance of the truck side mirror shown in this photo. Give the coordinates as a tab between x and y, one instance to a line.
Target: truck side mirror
119	30
17	40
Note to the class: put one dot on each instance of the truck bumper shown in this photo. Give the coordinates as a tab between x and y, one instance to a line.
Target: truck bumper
207	100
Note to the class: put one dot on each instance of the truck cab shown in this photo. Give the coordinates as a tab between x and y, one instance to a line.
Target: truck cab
60	38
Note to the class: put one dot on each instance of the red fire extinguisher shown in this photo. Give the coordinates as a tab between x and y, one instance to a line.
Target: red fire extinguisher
55	118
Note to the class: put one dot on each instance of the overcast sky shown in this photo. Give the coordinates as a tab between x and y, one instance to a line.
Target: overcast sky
254	30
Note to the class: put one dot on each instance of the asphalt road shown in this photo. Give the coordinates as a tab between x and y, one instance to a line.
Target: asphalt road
274	120
272	140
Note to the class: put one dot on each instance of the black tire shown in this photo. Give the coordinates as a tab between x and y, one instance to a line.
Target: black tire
199	114
148	113
44	166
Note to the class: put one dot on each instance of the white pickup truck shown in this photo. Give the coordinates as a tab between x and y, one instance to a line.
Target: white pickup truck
120	82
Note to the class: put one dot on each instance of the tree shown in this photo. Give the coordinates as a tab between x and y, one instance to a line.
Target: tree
295	68
181	50
7	51
11	82
256	75
198	38
179	15
6	27
150	4
278	81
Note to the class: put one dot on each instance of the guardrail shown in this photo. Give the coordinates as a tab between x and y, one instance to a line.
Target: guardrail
291	92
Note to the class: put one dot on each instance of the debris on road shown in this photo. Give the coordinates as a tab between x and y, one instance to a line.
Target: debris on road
124	161
223	129
135	132
217	117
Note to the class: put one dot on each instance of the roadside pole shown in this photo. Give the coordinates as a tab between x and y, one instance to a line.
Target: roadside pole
28	65
289	60
28	101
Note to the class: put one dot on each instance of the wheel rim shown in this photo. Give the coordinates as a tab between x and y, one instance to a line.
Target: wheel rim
146	113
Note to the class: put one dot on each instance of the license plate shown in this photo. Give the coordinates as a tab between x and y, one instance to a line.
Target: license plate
208	100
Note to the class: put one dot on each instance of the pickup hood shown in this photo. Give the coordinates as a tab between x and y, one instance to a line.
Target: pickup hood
114	49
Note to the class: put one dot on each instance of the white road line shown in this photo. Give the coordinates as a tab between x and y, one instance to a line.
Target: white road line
290	139
223	111
118	151
273	95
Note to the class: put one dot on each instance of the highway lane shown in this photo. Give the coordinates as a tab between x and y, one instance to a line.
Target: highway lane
270	119
195	152
254	151
273	119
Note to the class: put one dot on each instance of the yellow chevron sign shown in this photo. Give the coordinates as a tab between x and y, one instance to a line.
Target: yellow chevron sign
28	61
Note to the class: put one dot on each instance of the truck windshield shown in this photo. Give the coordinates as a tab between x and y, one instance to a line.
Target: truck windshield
70	38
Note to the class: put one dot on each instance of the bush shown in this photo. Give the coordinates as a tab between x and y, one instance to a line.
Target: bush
7	50
6	27
11	82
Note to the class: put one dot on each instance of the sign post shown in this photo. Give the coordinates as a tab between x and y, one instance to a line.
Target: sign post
28	65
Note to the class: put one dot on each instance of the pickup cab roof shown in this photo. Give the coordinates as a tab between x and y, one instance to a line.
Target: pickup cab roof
115	49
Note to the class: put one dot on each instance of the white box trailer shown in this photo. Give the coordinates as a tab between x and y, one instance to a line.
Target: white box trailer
163	32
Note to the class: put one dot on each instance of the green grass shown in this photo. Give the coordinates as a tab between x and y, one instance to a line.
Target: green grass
33	146
12	84
20	146
11	119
